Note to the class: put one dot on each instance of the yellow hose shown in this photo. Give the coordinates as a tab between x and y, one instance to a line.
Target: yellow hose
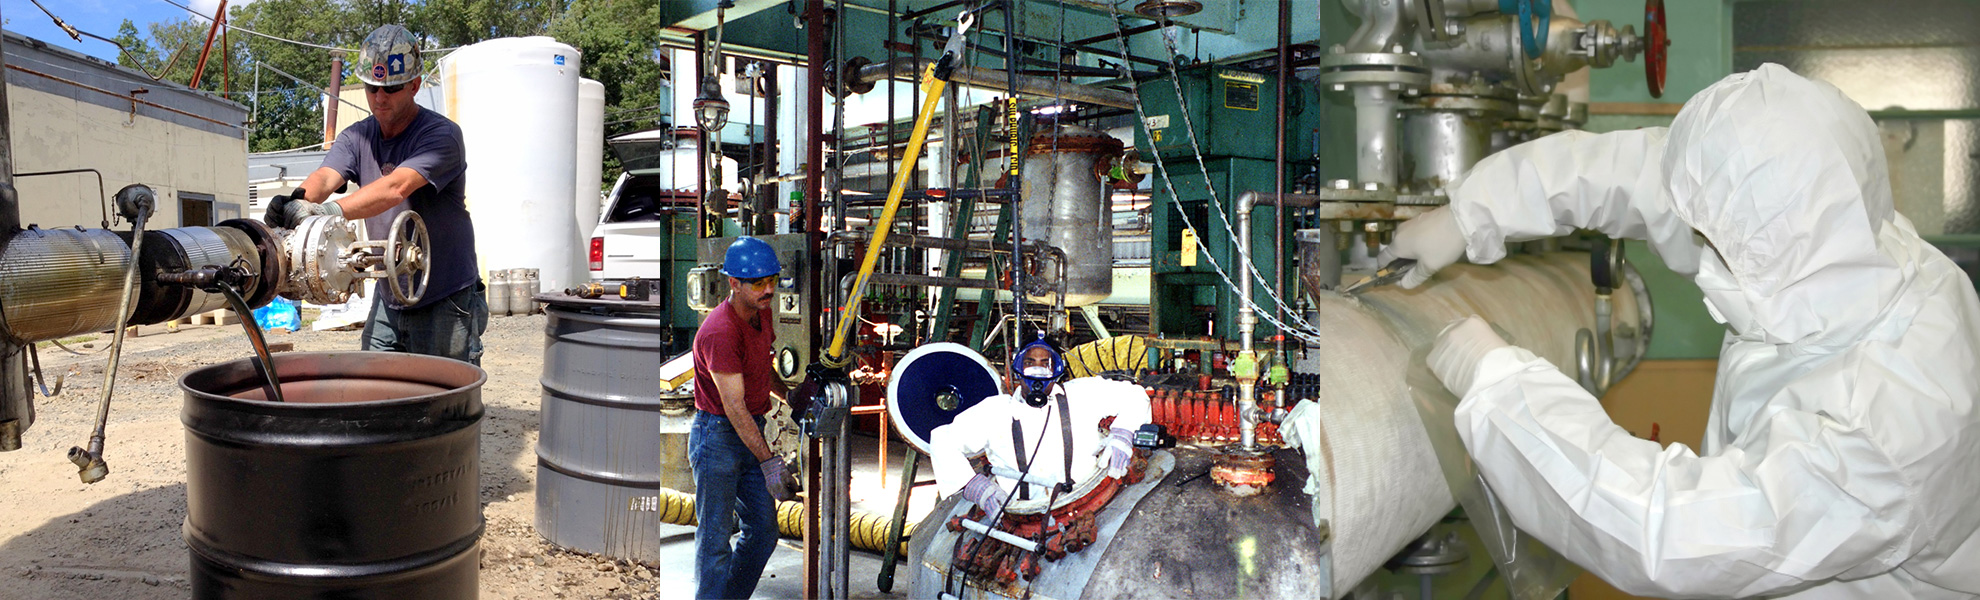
1119	353
869	531
835	355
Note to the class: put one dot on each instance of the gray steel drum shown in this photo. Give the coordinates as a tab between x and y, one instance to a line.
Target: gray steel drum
366	484
598	456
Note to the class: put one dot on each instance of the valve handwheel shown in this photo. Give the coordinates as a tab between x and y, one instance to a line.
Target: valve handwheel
1656	46
406	265
1535	17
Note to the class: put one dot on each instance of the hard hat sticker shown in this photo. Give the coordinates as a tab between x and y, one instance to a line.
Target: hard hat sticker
395	64
560	59
377	71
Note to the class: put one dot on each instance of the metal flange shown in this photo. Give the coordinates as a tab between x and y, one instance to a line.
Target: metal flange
317	248
1398	70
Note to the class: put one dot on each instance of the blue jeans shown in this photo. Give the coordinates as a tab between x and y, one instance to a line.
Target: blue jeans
450	328
728	487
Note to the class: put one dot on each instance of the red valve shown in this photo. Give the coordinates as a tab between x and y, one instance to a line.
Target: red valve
1656	46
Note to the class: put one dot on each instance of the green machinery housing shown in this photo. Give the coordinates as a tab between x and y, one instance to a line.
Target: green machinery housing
1233	114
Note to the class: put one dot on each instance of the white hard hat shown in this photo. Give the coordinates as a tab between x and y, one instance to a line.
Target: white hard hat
390	56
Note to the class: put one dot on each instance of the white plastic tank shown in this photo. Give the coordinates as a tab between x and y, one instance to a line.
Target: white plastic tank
590	159
516	100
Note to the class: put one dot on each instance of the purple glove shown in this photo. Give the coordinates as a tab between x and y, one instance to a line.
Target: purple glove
1118	452
773	478
985	492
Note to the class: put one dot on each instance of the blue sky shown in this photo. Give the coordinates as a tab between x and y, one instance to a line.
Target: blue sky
100	17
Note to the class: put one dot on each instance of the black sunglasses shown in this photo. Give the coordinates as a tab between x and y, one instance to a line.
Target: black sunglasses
389	89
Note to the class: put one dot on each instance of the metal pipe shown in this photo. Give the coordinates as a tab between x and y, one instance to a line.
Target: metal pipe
89	463
102	193
766	198
1279	177
334	90
1014	182
986	78
1247	326
16	401
1443	145
910	279
1382	29
902	240
132	99
916	14
842	512
1375	131
815	24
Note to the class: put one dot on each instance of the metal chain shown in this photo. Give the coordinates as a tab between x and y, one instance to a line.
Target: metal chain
1304	331
1244	247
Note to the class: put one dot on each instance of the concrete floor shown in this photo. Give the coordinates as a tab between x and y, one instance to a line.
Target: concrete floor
784	576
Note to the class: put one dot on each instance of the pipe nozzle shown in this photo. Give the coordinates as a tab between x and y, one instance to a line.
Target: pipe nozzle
89	465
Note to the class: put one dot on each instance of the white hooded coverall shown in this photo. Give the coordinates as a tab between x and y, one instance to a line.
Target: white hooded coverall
1842	455
986	429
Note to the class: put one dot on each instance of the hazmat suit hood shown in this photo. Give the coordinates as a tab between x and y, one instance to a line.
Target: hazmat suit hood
1785	177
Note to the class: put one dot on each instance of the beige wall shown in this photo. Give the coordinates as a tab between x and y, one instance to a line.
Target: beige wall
348	115
52	132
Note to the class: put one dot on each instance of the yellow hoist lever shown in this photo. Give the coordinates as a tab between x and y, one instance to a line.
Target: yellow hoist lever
932	83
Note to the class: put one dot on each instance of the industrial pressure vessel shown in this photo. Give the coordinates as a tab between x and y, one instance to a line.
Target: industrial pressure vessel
516	101
1065	205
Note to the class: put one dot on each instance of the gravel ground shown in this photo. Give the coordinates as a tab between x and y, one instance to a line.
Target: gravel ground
120	538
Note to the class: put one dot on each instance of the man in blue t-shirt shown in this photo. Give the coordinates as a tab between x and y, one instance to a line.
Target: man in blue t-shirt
404	157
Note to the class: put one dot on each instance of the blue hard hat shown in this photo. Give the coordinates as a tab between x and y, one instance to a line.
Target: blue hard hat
750	258
1036	389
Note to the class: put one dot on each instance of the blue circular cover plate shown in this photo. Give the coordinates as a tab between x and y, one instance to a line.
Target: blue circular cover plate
924	375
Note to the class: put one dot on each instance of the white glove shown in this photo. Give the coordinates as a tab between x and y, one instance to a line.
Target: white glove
1459	349
1433	239
1118	453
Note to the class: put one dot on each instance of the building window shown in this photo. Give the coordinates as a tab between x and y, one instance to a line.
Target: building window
195	209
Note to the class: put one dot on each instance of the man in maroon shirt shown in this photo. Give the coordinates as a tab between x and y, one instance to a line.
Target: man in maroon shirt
736	477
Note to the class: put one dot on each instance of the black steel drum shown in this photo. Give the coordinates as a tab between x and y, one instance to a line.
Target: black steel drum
365	484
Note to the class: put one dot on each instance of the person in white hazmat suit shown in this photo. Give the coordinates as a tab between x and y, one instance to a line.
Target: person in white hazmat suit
1842	454
1048	430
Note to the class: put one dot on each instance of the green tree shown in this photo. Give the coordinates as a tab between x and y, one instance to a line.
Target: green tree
621	50
617	37
454	23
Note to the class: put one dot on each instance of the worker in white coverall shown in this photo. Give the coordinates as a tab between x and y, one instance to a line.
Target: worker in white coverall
1047	430
1842	457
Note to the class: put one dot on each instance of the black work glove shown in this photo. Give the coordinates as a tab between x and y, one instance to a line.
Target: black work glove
278	209
288	211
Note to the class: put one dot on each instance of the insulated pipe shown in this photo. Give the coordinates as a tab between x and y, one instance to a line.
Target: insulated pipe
985	78
1388	417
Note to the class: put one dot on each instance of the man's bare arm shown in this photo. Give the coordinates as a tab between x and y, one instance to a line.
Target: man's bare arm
380	195
730	385
321	183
